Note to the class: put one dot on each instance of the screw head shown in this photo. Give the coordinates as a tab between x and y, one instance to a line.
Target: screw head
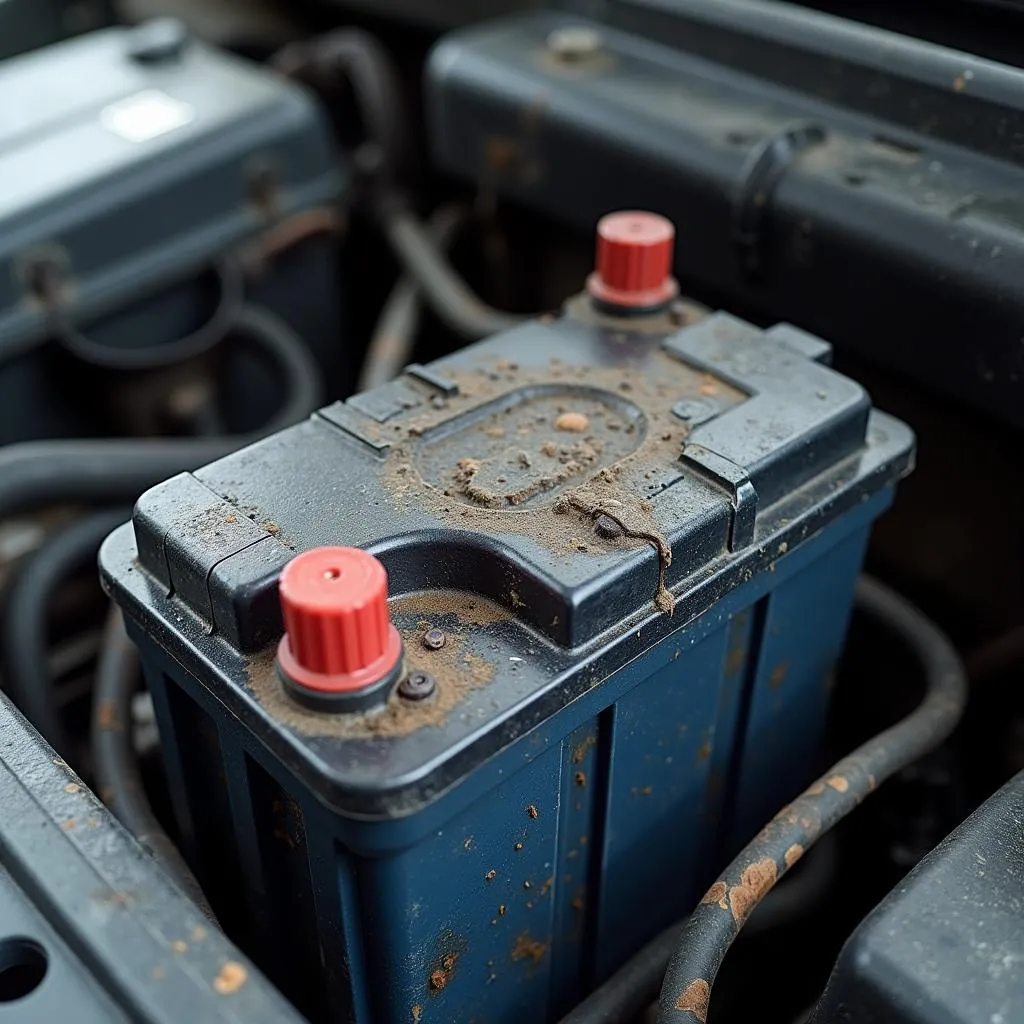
434	639
605	526
417	686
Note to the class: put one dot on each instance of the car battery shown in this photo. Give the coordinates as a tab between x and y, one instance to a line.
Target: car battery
467	685
163	183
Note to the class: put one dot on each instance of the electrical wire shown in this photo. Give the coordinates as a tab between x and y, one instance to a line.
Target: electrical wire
442	287
27	678
231	285
696	947
118	778
714	924
394	337
36	473
358	60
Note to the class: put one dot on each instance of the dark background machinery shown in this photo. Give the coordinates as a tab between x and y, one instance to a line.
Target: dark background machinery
902	157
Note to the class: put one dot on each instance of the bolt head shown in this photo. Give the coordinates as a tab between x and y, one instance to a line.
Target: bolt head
434	639
417	686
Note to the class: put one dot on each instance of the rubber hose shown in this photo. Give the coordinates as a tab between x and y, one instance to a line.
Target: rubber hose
394	337
714	924
629	991
118	777
440	284
370	73
104	471
27	678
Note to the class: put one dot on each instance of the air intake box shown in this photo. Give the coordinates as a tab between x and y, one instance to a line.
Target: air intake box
621	553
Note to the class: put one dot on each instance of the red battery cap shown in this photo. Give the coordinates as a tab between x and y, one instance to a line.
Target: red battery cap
634	261
338	634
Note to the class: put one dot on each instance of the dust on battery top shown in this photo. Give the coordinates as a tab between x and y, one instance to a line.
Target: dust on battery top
537	499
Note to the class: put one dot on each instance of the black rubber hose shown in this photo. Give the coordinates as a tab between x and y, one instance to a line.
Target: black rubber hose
442	287
27	678
105	471
714	924
633	987
73	338
394	337
358	60
118	778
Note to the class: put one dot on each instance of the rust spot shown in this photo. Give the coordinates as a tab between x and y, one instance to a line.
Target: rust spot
72	787
695	999
642	791
546	887
532	811
704	751
838	783
417	1013
198	933
779	674
734	662
490	876
449	961
581	778
231	978
519	846
438	979
106	716
573	422
526	948
755	881
793	854
581	751
717	894
69	824
230	520
579	902
179	946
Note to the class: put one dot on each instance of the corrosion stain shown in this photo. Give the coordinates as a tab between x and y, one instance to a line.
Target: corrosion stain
779	674
695	999
458	668
793	854
579	902
438	979
490	876
839	783
755	881
581	779
716	894
527	948
72	787
417	1013
179	946
231	978
704	751
532	811
581	750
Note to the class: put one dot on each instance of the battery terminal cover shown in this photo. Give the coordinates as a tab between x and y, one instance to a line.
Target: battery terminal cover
339	643
634	261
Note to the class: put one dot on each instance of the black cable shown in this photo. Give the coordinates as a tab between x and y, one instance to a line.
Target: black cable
358	59
37	473
149	357
698	944
442	287
394	336
118	778
27	679
715	923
